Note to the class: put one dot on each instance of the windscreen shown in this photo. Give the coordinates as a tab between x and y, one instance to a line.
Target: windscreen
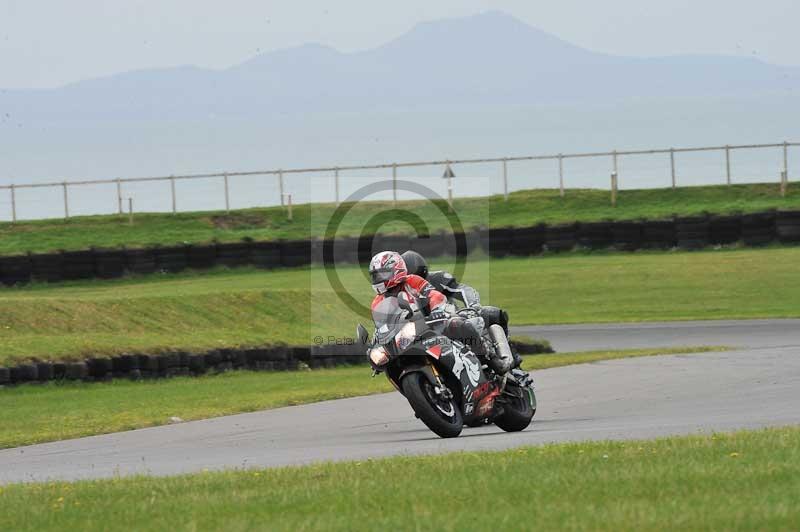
389	318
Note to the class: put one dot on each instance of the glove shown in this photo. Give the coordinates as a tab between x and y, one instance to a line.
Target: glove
438	314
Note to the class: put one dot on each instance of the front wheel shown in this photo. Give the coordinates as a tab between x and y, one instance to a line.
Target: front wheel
518	409
440	415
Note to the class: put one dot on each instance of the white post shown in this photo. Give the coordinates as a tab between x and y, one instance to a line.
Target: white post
784	182
66	201
614	189
728	163
614	156
394	184
172	187
280	184
672	165
130	211
505	179
227	197
449	172
13	204
561	174
336	181
786	159
119	196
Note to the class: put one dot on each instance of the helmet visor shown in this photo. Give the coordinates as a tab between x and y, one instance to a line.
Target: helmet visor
381	276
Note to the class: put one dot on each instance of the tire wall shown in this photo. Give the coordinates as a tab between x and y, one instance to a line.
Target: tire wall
689	232
136	366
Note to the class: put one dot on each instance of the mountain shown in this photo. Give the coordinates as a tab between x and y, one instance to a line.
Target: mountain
487	59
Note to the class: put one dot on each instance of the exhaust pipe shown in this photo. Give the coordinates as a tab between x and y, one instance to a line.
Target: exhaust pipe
503	359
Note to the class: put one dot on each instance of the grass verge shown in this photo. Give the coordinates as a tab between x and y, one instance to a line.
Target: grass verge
251	307
523	208
40	413
739	481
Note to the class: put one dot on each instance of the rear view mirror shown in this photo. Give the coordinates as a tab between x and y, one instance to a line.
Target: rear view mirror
405	305
362	334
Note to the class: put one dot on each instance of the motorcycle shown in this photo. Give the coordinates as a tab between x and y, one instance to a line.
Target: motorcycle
445	383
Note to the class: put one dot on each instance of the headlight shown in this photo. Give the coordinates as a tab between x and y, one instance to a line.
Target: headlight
406	336
378	355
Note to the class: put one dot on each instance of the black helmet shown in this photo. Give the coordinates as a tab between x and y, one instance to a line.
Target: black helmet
415	263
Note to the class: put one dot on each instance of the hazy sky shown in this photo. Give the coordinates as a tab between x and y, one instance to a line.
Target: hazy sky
48	43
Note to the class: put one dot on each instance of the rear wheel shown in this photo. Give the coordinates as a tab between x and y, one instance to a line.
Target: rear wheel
518	409
440	415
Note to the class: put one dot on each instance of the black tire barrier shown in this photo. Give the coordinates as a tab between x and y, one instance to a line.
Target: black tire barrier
197	364
44	371
627	236
659	234
758	229
398	243
77	265
181	363
99	368
77	371
431	245
201	257
235	254
295	253
725	229
171	259
364	247
109	263
562	237
59	371
595	235
47	267
24	373
15	269
530	347
787	226
340	251
497	241
692	232
140	261
266	254
528	241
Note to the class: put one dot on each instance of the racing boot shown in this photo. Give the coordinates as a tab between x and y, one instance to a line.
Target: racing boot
498	352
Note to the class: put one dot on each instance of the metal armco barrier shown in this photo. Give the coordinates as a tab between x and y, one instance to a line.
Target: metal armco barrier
687	232
781	172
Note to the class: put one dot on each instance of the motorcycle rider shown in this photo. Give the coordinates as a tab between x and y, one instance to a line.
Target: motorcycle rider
390	278
448	285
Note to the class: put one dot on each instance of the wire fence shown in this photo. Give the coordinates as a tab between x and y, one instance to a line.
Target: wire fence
670	159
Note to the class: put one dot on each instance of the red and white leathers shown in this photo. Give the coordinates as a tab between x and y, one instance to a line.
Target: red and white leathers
455	327
413	287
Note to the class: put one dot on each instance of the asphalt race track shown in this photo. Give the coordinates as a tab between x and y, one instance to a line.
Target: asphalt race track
734	333
754	386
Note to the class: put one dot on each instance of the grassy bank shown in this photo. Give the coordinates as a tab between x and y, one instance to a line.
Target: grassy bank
523	208
250	307
740	481
35	414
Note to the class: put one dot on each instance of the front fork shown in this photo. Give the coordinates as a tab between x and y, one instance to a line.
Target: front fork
440	389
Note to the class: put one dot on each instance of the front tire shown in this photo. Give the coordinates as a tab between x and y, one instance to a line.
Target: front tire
442	417
517	409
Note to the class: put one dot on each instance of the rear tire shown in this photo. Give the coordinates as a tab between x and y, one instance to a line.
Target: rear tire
517	410
443	418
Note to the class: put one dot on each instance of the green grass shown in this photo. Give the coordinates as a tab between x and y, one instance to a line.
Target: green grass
524	208
739	481
252	307
40	413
